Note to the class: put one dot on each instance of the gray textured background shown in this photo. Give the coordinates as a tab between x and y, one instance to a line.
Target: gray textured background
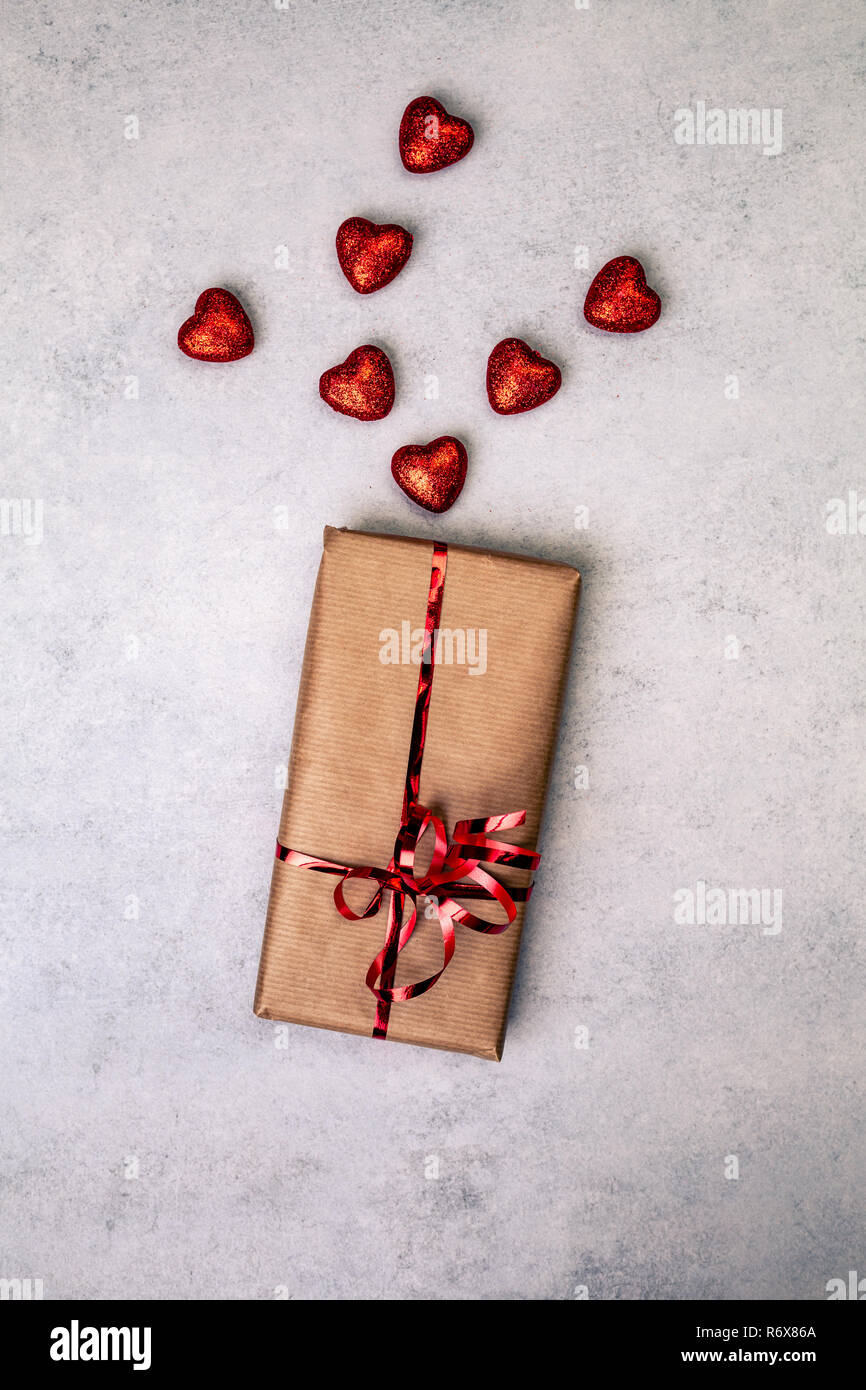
151	643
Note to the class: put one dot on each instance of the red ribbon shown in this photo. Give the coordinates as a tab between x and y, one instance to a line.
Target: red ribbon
455	864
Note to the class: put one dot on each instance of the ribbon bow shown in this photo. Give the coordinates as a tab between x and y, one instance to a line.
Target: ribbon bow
455	865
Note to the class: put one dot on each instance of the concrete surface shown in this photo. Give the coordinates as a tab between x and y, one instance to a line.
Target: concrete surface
703	1136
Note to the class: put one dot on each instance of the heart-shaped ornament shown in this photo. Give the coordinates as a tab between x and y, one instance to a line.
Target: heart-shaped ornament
219	330
619	298
362	386
518	378
370	254
430	138
431	474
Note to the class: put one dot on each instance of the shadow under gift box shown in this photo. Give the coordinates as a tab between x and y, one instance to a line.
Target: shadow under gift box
490	739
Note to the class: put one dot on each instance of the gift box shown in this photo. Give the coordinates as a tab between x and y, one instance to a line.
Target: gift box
424	733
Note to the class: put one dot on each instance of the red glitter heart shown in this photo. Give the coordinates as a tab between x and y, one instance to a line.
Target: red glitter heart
371	255
619	298
431	474
219	330
430	138
518	378
362	386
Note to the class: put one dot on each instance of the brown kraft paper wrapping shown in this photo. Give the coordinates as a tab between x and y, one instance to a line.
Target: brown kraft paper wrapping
490	740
